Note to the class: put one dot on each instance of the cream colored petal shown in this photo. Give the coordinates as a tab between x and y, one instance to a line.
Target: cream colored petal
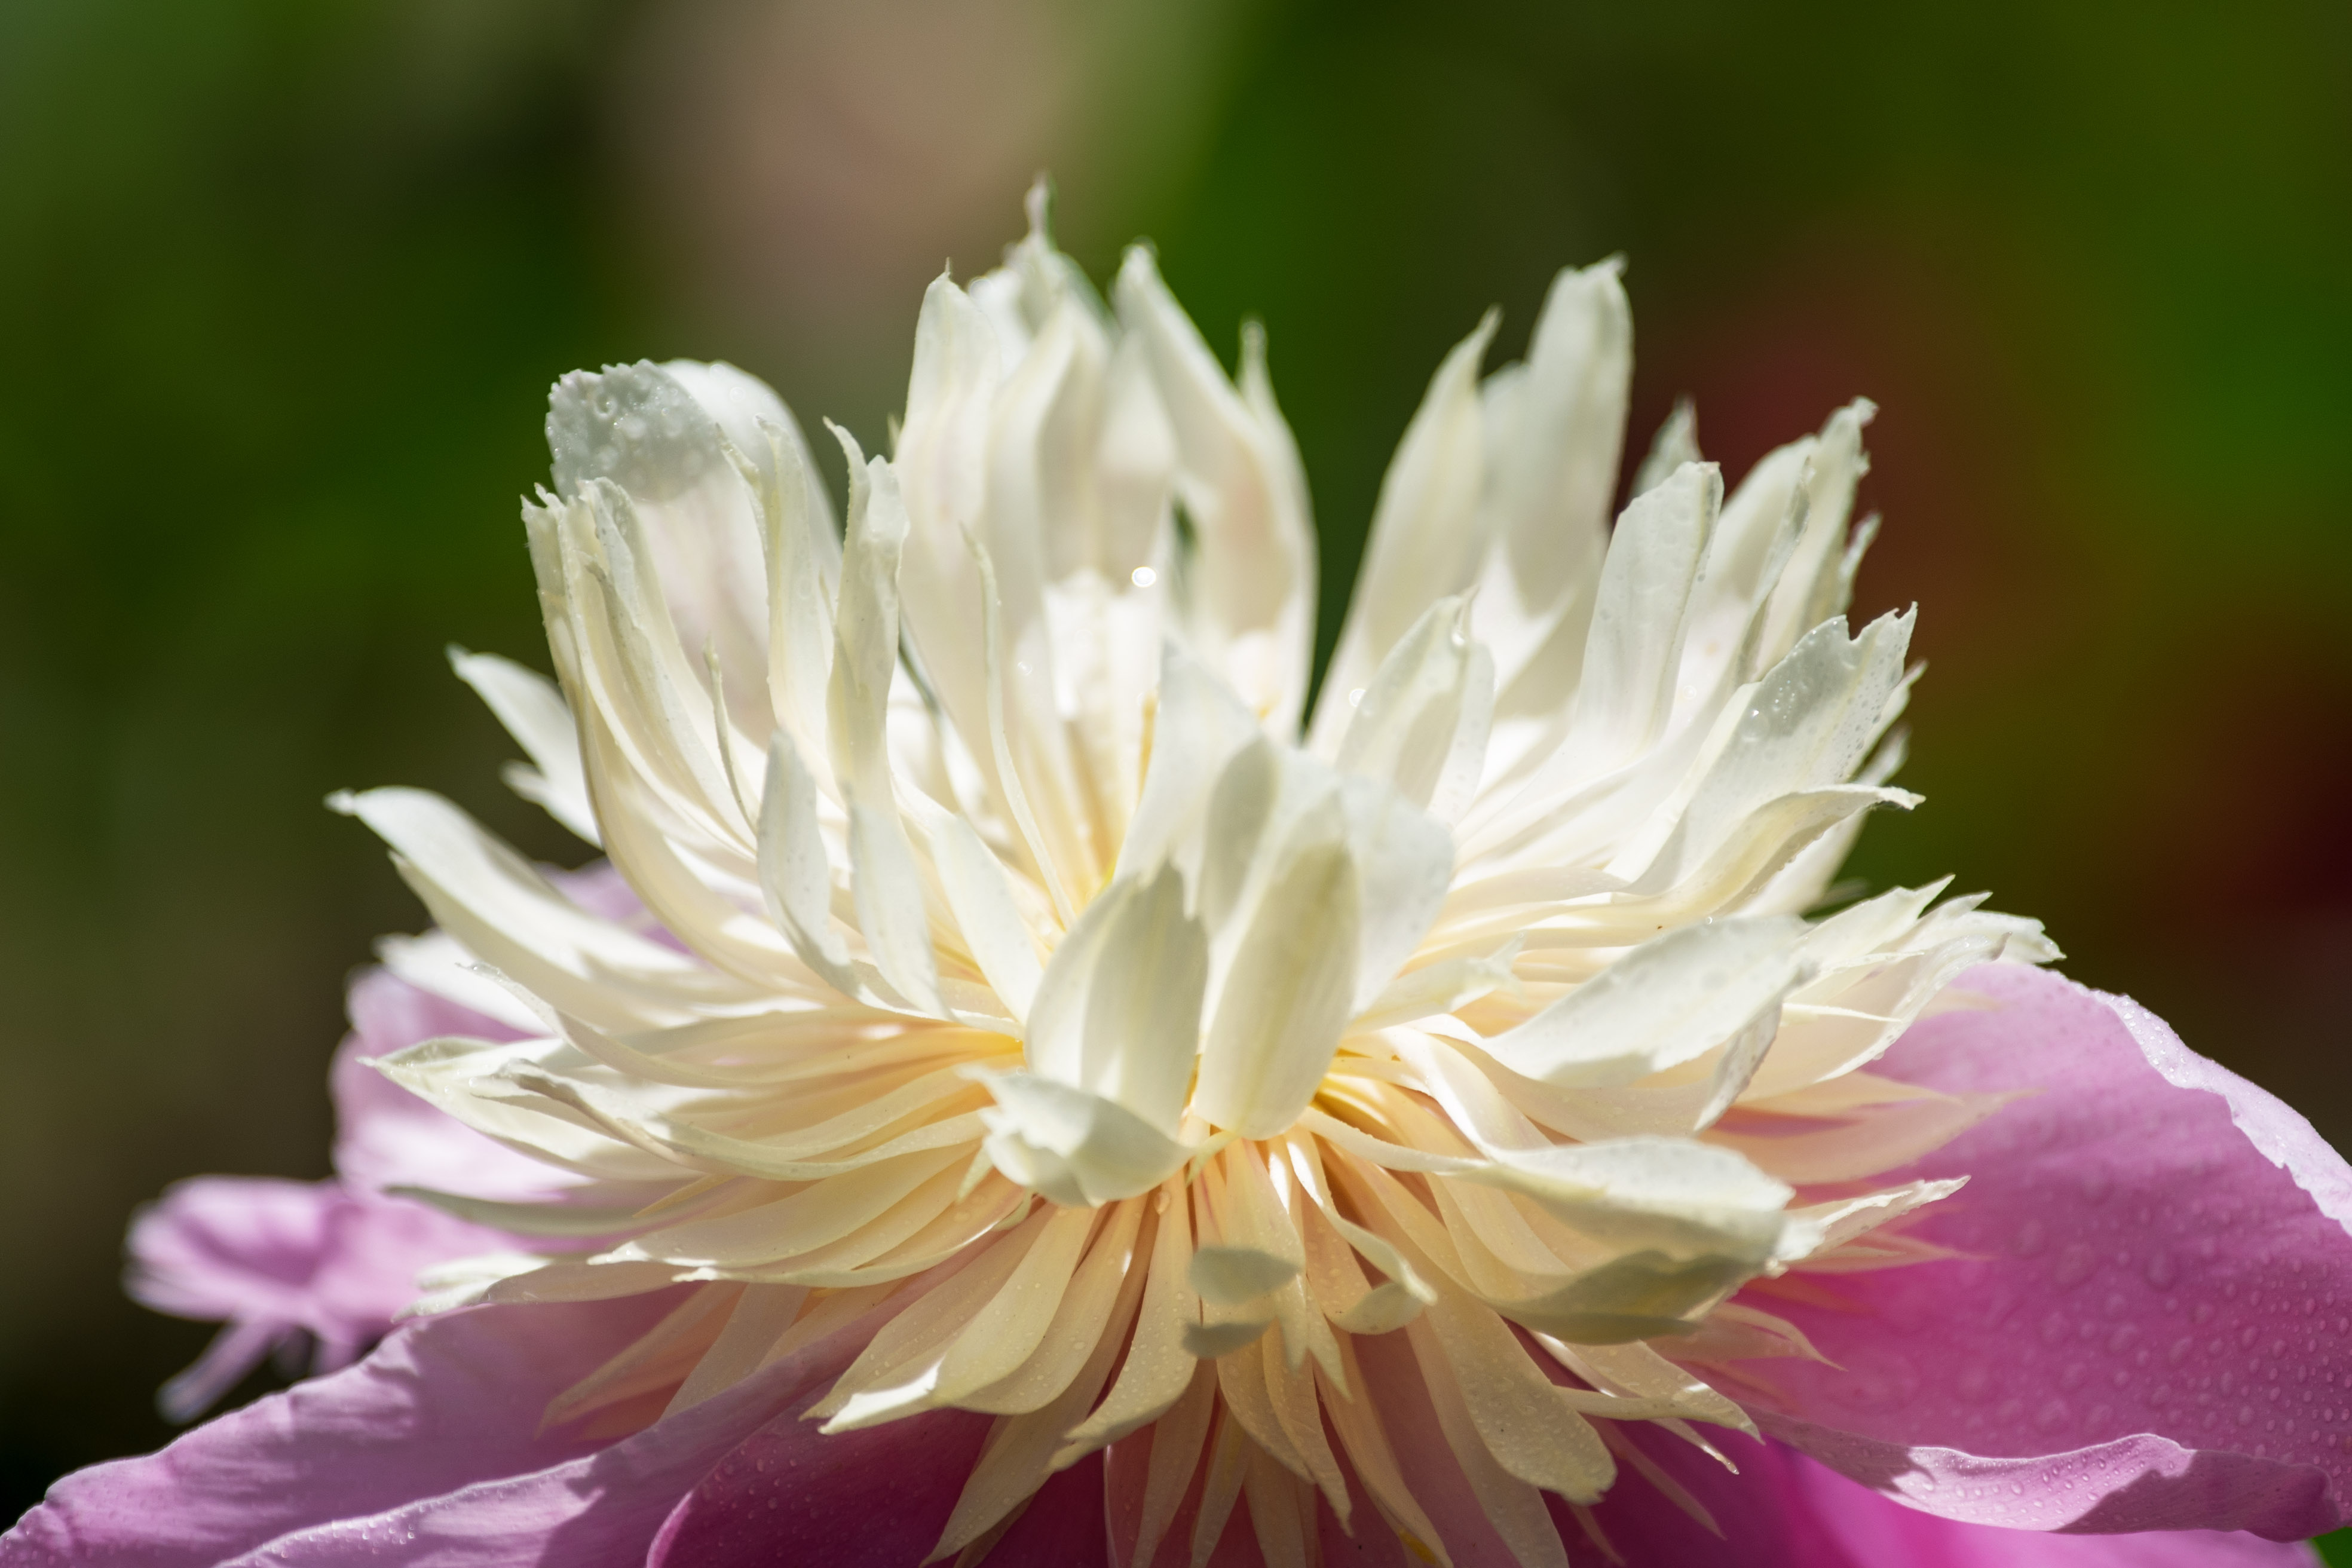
981	894
1020	1453
795	872
1158	1372
1070	1342
1513	1507
1440	987
804	566
996	1336
1683	1203
510	917
453	1075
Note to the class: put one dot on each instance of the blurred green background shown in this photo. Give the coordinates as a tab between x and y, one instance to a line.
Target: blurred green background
282	285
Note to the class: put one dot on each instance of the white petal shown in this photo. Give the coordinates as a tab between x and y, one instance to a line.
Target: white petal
1634	649
1119	1012
804	561
887	890
1814	586
795	872
1424	541
1074	1146
1683	1203
1251	602
1421	723
509	916
1676	443
1233	1276
1669	1000
1403	858
1552	466
533	711
1199	728
662	433
1291	988
981	898
1808	724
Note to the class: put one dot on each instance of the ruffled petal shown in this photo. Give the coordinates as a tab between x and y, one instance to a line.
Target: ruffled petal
2146	1326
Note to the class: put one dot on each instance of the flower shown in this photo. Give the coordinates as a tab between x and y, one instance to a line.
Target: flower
1066	1099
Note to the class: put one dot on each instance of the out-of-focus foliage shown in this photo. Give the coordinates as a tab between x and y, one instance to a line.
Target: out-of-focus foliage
282	289
282	286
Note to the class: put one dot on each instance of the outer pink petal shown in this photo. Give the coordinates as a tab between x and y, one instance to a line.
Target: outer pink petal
1784	1510
1874	1529
446	1402
226	1246
791	1497
1064	1525
428	1454
2150	1329
600	1509
272	1256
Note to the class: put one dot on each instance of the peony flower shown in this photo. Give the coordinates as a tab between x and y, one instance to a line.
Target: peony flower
1069	1100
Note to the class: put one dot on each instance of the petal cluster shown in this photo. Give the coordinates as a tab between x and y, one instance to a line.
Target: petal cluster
1041	1048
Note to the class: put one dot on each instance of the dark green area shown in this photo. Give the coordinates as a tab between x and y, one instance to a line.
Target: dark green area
283	286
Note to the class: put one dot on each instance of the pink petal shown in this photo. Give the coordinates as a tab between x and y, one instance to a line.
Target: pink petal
600	1509
429	1452
445	1402
791	1497
1873	1529
1784	1510
2150	1328
1063	1527
271	1257
226	1246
